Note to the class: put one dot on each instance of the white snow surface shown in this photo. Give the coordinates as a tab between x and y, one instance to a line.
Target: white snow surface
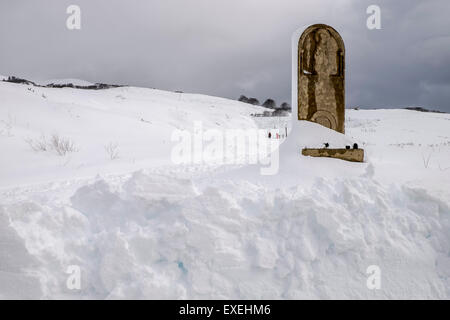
75	82
142	227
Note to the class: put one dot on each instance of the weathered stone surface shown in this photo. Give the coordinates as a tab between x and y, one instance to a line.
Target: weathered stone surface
354	155
321	77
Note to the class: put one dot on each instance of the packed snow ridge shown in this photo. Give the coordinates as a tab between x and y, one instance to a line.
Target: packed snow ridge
139	226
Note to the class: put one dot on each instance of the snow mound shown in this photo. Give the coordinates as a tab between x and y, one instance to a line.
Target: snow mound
307	134
239	241
199	231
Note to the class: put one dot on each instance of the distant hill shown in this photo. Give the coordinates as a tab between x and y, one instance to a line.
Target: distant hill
62	83
421	109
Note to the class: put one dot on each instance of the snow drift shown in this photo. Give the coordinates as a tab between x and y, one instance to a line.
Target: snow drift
140	227
155	236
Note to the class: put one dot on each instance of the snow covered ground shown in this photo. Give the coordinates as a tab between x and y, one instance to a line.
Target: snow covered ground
75	82
140	226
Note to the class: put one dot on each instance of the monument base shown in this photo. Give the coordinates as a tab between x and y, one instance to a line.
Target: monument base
353	155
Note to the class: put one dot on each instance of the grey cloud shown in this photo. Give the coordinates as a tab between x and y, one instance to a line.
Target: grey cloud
228	48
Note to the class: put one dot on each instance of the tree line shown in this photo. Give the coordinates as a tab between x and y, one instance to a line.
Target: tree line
269	103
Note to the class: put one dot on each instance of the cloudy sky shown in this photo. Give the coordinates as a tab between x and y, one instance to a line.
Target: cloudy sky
231	47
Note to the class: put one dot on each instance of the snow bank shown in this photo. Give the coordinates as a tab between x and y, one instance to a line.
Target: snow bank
154	236
196	231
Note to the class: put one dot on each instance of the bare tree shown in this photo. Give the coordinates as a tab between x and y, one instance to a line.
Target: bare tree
38	145
60	145
112	149
426	159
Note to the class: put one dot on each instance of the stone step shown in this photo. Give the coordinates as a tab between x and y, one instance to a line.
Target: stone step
353	155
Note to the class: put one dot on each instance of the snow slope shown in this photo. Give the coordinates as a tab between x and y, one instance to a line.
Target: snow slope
141	227
140	121
75	82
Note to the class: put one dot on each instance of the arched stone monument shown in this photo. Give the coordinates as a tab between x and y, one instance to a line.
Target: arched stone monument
321	77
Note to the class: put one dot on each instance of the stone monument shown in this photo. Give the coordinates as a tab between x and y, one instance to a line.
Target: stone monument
321	77
319	86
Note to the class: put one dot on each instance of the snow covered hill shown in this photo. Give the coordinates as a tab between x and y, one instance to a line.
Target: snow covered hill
139	226
75	82
138	121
